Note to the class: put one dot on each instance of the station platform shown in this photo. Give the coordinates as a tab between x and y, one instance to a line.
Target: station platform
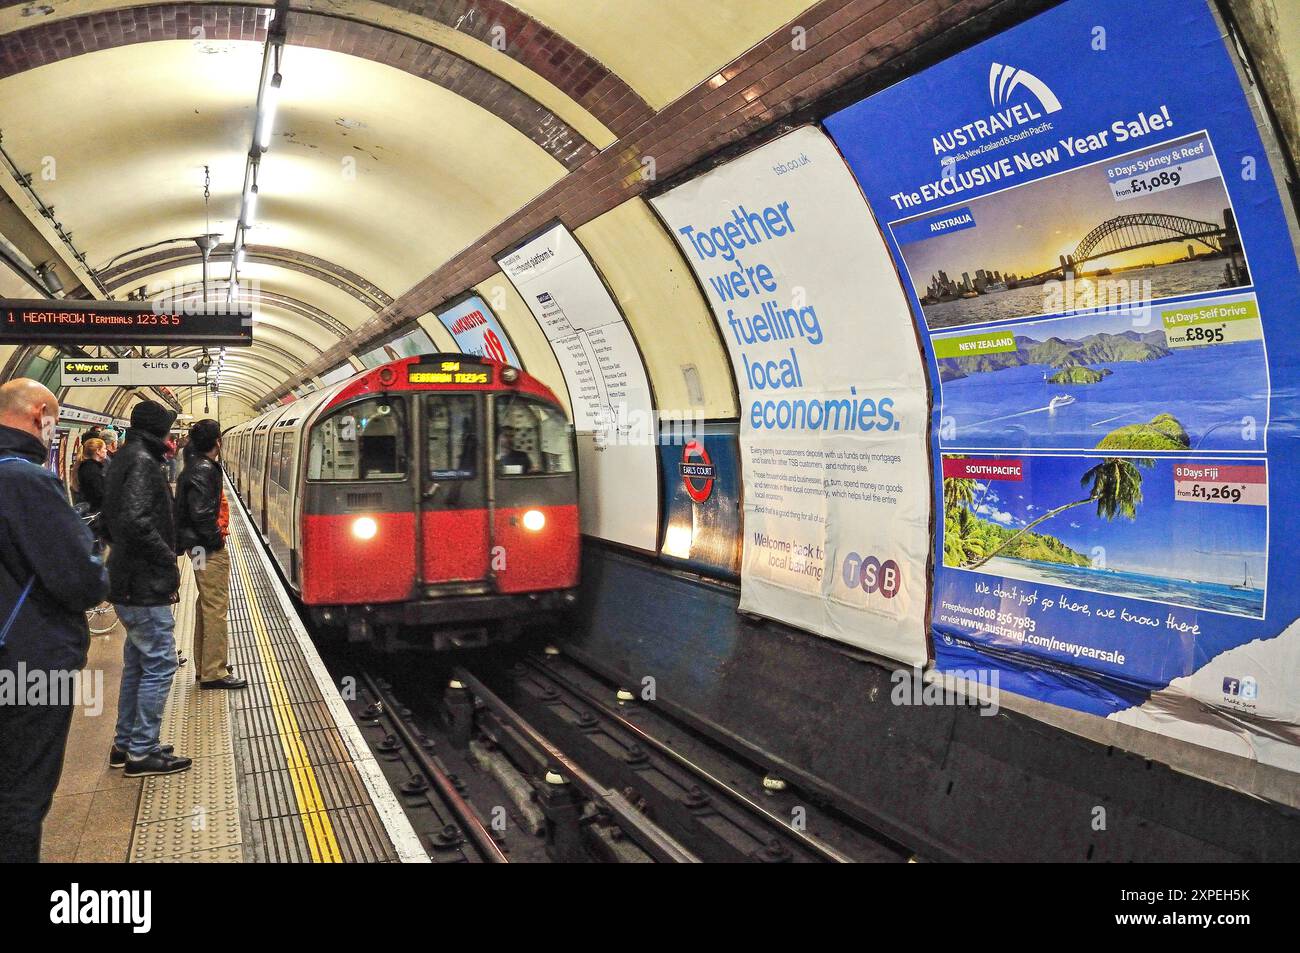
281	771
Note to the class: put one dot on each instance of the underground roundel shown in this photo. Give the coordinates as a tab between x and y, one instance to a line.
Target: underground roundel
697	471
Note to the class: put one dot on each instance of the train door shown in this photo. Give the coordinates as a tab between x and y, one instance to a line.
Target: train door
455	534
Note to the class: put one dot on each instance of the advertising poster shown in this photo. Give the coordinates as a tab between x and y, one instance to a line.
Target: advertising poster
832	392
1105	282
476	330
613	409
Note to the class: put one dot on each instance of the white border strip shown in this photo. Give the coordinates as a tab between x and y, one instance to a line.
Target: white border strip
396	823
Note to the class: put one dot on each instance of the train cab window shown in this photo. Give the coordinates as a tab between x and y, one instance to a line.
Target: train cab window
533	438
451	431
362	441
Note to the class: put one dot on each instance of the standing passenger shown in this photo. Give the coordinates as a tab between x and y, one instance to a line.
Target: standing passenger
202	524
143	583
49	577
90	474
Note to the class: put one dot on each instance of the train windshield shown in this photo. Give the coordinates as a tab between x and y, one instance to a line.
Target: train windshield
362	441
451	428
532	438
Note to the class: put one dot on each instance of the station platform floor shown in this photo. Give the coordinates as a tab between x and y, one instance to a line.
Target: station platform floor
281	771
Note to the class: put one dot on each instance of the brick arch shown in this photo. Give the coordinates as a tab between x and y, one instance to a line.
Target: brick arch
133	271
531	43
45	43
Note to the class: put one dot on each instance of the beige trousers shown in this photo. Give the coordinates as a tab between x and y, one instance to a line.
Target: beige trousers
210	617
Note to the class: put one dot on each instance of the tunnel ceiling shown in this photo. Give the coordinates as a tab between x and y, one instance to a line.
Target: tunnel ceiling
406	131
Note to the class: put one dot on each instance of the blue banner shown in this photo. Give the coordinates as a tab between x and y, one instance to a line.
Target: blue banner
1103	276
701	487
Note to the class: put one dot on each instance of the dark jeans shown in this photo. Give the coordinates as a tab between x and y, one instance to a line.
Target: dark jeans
32	741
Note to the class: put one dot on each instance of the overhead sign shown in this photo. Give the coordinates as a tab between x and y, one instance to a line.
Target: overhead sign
58	321
476	330
1104	280
129	372
832	393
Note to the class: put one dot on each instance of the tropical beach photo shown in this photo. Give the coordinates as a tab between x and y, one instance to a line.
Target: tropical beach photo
1069	382
1064	243
1110	525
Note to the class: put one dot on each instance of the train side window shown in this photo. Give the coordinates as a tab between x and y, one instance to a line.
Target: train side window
362	441
533	438
285	467
277	441
451	436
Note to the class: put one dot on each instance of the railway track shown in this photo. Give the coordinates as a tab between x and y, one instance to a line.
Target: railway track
544	761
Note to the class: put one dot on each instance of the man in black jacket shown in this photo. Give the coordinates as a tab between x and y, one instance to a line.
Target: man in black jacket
201	536
42	542
143	582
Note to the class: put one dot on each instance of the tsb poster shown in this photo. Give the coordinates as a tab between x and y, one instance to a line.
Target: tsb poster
832	392
1105	282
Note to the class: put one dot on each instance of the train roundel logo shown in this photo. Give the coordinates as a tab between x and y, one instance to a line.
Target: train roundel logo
697	471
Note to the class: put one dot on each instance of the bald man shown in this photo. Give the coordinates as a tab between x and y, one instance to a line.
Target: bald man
49	577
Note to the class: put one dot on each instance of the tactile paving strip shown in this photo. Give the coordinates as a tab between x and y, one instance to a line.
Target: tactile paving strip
302	798
196	813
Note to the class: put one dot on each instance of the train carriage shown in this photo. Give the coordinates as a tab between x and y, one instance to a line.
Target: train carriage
427	503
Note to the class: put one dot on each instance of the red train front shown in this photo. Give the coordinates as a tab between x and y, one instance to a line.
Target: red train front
426	503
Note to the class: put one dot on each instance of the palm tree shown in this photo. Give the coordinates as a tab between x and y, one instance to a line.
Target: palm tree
957	491
1116	487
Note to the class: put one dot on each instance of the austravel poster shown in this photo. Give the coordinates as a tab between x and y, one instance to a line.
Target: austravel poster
832	392
1104	279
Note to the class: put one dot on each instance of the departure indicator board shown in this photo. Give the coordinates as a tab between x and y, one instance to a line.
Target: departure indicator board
449	372
63	321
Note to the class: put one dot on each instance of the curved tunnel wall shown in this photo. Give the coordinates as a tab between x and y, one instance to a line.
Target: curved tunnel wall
638	259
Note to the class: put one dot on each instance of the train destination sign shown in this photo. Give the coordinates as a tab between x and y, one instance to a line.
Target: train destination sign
50	321
129	372
449	372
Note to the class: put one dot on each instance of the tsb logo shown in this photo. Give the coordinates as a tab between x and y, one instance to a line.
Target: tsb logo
872	575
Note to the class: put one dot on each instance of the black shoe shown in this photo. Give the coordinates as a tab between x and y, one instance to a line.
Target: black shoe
230	681
117	757
157	763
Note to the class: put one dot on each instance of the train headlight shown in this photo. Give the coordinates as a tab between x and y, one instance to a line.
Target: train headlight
534	520
364	528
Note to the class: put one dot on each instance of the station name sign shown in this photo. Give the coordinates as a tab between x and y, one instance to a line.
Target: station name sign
63	321
129	372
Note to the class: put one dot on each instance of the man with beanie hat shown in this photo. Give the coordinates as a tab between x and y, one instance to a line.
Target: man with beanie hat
201	532
143	581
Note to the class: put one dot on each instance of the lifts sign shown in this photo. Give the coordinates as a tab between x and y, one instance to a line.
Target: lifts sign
129	372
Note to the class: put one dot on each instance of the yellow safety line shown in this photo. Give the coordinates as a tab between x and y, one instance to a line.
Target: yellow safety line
316	823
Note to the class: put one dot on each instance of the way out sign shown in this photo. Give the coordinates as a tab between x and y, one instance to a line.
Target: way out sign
129	372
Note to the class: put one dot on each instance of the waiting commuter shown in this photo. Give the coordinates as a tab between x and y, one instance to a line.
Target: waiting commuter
49	577
143	581
110	444
202	525
90	474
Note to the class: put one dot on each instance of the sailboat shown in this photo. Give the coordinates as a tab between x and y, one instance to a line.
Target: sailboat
1245	581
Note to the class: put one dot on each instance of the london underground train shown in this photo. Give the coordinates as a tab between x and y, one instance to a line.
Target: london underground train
426	503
